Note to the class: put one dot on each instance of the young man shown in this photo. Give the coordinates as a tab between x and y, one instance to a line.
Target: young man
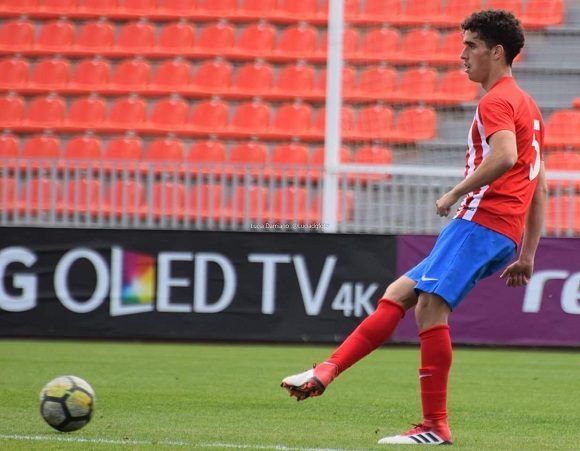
504	193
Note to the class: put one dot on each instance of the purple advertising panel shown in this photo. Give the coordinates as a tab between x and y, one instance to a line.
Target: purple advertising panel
545	313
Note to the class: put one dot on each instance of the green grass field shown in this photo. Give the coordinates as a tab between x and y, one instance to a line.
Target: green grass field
191	396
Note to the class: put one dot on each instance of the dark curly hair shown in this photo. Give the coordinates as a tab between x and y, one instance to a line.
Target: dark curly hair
495	27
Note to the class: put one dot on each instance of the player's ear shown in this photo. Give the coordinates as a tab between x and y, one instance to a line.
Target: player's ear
498	52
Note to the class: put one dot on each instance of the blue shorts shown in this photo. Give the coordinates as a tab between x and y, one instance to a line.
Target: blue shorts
465	252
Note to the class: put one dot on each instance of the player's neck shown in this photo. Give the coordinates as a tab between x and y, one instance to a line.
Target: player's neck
495	75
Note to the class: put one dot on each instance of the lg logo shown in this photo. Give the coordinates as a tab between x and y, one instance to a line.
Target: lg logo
569	297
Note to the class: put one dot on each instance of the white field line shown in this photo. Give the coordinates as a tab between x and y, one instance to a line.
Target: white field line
132	442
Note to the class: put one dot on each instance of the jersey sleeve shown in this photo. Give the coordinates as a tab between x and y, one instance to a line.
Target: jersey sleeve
496	114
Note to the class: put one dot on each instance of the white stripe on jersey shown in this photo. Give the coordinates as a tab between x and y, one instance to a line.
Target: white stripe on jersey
471	166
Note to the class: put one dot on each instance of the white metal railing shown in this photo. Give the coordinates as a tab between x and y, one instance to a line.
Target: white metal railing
370	199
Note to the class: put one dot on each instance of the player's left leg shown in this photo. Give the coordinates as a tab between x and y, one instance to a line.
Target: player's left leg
432	314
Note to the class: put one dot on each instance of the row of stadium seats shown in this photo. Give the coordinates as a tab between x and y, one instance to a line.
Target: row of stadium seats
562	129
207	117
217	77
192	201
201	201
534	13
287	160
259	39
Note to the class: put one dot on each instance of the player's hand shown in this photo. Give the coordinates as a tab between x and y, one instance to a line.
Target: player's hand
518	274
445	202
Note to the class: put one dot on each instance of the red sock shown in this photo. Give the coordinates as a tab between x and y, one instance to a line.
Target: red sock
369	335
436	357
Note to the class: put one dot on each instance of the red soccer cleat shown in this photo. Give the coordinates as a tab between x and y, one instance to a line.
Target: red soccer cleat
312	382
426	433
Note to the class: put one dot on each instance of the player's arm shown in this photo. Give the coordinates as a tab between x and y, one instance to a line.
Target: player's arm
503	155
520	272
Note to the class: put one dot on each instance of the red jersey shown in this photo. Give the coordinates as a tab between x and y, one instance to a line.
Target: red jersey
502	205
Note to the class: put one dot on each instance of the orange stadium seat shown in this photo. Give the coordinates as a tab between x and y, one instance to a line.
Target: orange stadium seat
515	6
563	215
542	13
422	11
382	10
378	81
375	121
317	158
418	85
562	129
92	74
83	196
222	7
210	115
289	160
345	207
50	73
100	6
290	204
205	201
348	81
46	111
16	35
95	36
176	6
129	112
9	147
301	9
419	45
456	11
8	195
176	37
293	118
87	112
254	78
174	75
136	37
417	123
62	6
562	161
248	202
167	199
17	6
55	35
257	39
455	87
169	113
350	42
40	195
251	117
217	38
214	75
125	197
351	8
380	43
261	8
43	147
248	158
14	72
83	147
450	49
206	157
144	7
373	154
164	150
295	79
127	148
346	120
297	40
11	109
132	74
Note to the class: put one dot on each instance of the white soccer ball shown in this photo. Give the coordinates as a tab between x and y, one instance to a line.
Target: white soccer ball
67	403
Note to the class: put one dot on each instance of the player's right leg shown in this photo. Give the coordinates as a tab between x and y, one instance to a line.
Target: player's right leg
369	335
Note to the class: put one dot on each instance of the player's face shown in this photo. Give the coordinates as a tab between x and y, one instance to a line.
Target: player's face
476	57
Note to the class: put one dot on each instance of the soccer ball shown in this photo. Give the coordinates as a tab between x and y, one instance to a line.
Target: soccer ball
67	403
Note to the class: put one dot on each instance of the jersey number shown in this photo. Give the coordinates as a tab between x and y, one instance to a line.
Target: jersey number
535	168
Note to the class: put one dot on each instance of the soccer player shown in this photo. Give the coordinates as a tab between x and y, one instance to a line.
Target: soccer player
504	199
